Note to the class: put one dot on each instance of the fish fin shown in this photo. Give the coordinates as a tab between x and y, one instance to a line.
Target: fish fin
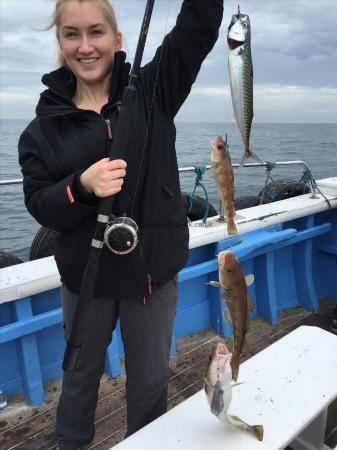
250	302
248	156
258	431
214	283
235	364
228	316
206	382
237	384
249	279
231	228
217	403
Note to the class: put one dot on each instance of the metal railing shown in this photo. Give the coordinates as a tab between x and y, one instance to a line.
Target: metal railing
11	182
307	171
310	179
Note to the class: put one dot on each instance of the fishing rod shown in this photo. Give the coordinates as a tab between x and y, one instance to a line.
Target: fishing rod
121	234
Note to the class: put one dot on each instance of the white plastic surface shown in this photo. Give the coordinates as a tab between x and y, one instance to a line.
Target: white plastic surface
37	276
28	279
328	186
259	217
286	386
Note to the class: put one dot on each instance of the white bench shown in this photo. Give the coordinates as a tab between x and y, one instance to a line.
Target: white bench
288	388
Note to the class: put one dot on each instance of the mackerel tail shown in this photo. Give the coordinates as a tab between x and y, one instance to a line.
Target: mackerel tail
249	157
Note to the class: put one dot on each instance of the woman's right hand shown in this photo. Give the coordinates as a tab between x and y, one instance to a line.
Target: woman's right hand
105	177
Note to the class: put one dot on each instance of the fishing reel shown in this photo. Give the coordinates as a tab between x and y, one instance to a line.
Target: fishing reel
121	235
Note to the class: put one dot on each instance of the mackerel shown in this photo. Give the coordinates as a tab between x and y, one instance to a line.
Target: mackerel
240	67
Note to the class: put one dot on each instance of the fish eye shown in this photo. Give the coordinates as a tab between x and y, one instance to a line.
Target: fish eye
229	270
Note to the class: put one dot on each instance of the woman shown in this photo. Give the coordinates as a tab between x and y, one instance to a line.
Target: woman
63	154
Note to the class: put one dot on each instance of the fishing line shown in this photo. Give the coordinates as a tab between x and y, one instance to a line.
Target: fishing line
230	112
150	113
308	177
185	389
218	323
110	436
175	358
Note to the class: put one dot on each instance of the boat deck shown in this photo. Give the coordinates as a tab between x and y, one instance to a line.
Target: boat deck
31	428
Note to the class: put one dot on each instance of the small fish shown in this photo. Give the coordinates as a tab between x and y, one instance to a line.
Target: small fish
224	175
238	301
218	387
240	67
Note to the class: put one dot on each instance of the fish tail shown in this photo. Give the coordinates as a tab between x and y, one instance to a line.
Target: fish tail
258	431
235	363
231	227
250	156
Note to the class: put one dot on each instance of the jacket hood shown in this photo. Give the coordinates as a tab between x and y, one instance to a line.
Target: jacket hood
61	83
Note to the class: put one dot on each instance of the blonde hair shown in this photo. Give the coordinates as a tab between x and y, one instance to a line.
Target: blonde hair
107	10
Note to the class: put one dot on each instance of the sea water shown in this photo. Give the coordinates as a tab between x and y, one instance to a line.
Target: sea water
315	144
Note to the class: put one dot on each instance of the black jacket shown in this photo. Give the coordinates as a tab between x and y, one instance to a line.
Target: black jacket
63	141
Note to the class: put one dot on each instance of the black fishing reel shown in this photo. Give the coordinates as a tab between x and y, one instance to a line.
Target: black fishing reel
121	235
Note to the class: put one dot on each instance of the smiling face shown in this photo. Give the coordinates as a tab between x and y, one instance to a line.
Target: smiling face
87	41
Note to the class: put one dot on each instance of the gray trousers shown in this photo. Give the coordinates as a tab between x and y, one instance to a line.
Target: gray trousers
146	333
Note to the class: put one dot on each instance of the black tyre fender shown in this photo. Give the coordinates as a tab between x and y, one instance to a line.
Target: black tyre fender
7	259
198	209
282	189
43	243
246	201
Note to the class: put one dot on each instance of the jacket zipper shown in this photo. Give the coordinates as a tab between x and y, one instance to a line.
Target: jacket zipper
149	281
108	129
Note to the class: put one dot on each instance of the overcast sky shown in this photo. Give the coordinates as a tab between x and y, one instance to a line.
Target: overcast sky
294	47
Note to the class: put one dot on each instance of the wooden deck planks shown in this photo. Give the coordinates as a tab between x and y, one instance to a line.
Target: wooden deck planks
33	428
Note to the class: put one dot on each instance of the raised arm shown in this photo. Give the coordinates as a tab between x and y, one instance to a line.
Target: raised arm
182	52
